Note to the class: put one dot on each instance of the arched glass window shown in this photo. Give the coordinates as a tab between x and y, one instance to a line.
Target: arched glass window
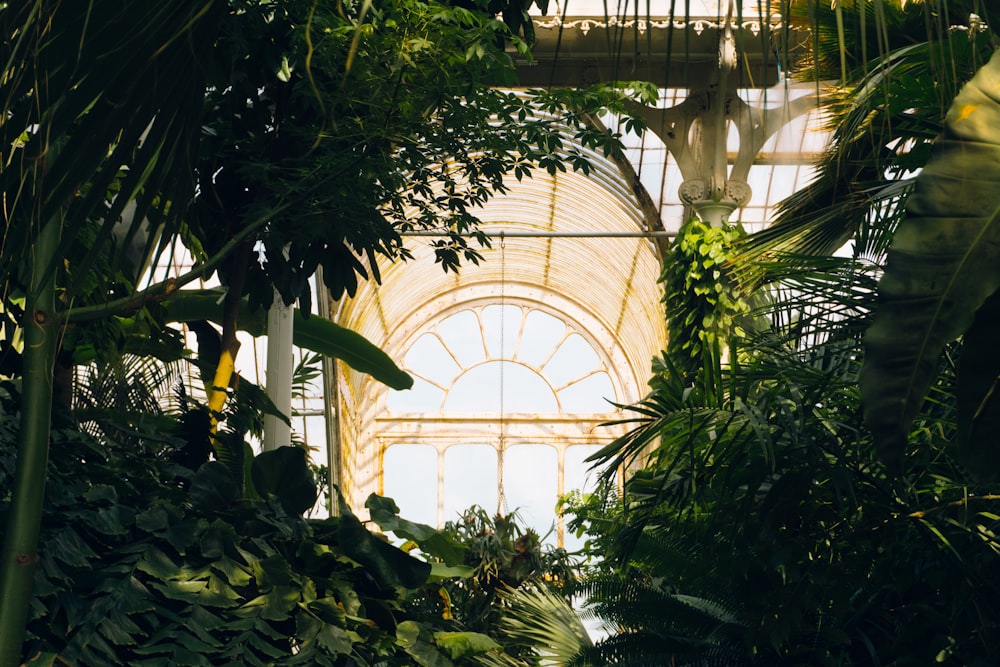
539	365
504	401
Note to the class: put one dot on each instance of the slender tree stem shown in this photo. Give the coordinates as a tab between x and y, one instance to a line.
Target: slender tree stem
20	549
226	367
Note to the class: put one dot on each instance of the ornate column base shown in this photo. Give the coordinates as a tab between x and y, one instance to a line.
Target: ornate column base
714	205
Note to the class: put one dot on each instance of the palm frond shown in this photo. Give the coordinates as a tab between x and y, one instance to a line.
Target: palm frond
542	619
77	136
883	127
125	395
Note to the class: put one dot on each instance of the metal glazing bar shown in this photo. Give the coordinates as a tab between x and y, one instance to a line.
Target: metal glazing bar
550	235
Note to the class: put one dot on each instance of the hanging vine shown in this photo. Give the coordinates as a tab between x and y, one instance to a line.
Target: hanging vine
702	299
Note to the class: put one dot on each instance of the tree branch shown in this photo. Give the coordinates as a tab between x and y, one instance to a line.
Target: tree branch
161	290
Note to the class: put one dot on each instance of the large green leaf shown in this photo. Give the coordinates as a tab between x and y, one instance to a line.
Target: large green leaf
311	333
978	399
943	264
437	543
284	473
388	565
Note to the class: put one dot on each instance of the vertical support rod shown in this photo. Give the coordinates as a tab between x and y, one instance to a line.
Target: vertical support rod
331	405
278	374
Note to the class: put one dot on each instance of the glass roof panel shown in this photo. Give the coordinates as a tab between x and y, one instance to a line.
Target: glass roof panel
694	8
591	394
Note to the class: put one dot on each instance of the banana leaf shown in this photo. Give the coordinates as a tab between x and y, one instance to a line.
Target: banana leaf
943	265
312	333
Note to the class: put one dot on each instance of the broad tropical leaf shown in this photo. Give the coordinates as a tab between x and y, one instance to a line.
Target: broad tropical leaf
942	265
977	395
313	333
284	473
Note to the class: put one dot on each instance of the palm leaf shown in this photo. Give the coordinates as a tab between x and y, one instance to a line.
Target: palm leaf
942	264
99	97
546	621
883	126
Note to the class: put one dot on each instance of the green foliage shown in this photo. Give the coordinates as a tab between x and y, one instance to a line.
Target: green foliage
544	619
146	562
883	123
500	557
346	124
318	131
852	37
67	145
311	333
703	301
941	270
764	530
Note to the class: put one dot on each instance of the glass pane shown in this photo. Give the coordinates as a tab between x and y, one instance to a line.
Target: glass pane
478	390
511	316
590	394
409	476
784	178
577	474
531	484
542	333
429	359
574	359
759	180
462	335
470	478
422	397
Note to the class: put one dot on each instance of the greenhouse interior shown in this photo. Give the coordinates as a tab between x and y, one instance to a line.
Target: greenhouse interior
500	333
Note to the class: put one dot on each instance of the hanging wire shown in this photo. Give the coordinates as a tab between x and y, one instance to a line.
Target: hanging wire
502	444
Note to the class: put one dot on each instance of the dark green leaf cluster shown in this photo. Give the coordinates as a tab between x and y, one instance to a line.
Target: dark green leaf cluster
342	126
147	562
764	530
70	135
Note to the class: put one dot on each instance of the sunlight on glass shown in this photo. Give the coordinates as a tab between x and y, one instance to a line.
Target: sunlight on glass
531	484
470	478
511	320
462	335
429	359
422	397
542	334
591	394
478	390
574	359
409	476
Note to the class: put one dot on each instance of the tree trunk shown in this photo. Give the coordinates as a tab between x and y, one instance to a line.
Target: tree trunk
20	549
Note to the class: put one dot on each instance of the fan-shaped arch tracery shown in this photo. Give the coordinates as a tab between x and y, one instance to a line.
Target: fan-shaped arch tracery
581	321
506	407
